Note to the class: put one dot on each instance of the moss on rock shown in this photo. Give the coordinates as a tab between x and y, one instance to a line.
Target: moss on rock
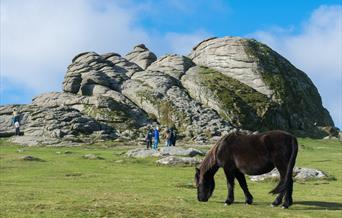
297	96
239	103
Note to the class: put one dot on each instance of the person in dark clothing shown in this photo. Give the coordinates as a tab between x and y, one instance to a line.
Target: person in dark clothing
168	137
17	128
173	136
149	137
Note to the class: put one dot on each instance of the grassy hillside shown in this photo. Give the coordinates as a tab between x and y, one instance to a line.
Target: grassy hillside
66	185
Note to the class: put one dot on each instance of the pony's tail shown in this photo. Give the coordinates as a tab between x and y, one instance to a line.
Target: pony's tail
281	187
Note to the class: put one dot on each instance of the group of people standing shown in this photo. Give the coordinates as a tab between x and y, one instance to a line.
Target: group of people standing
170	136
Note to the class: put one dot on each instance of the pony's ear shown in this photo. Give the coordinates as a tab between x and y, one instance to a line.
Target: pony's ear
197	170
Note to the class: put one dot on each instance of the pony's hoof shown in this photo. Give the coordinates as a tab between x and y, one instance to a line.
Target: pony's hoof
284	207
228	202
225	204
249	201
272	205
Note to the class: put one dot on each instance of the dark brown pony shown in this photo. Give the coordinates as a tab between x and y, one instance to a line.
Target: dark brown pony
241	154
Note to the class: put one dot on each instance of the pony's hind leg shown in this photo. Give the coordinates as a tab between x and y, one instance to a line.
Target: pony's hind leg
288	194
282	173
279	199
242	181
230	184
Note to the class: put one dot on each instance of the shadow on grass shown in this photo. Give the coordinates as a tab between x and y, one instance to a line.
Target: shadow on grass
313	205
320	205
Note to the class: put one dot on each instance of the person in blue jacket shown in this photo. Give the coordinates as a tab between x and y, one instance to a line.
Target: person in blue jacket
156	138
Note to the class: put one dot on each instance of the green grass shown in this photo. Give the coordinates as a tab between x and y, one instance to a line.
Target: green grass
66	185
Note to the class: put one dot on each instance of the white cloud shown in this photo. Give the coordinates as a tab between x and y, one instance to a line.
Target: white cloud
317	50
39	38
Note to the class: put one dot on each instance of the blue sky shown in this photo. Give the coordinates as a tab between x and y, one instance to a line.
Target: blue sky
39	38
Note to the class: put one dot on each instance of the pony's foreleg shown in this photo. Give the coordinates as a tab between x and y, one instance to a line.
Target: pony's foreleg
230	175
242	181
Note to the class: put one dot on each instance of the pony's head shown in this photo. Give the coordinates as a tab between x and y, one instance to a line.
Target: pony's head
205	185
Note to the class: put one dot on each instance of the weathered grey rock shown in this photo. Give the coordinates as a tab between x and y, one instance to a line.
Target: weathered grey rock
173	65
262	69
111	108
233	100
142	153
117	60
177	151
228	56
183	161
51	125
89	69
163	98
92	157
141	56
164	151
299	173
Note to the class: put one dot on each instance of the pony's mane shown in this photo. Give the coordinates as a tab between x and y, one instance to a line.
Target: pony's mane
209	160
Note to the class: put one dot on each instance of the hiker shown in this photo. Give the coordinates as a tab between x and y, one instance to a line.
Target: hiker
17	128
167	136
16	123
173	138
149	137
156	138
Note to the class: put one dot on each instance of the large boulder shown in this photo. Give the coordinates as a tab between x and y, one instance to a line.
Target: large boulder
142	153
164	151
173	65
177	151
141	56
234	101
89	69
179	161
254	64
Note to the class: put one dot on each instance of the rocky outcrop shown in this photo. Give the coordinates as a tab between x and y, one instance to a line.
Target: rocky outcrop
111	108
224	84
60	123
141	56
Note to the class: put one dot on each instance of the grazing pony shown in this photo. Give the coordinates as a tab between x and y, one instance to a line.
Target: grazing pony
257	154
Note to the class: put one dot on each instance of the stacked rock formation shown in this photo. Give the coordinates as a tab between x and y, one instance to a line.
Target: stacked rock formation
224	84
